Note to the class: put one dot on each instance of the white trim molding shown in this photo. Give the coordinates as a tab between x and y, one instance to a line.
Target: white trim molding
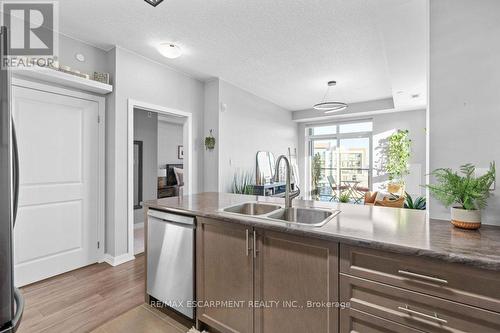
65	79
188	156
115	261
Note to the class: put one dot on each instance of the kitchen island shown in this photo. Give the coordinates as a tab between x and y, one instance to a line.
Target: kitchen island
369	268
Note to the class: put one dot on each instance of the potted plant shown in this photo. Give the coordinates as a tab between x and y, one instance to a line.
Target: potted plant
344	197
242	182
464	192
210	141
419	203
398	157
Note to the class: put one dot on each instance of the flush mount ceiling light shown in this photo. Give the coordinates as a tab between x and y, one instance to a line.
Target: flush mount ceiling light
154	3
170	50
330	106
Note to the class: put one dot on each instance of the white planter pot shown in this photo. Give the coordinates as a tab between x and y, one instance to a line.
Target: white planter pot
465	219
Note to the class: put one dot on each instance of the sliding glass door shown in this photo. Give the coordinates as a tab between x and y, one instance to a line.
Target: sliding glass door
354	156
324	166
340	156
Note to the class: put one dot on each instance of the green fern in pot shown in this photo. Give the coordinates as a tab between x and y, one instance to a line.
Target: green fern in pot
464	192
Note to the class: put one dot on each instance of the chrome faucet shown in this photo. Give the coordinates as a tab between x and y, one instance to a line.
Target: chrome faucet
289	195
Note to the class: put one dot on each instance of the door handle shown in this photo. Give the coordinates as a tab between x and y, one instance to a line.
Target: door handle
255	244
18	297
247	244
15	172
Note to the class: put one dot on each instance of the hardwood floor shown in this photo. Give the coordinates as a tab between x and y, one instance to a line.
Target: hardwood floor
82	300
142	319
138	241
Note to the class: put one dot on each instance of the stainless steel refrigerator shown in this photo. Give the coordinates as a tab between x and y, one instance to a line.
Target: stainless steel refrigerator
11	300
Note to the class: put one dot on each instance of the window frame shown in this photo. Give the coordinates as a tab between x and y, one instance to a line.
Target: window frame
310	138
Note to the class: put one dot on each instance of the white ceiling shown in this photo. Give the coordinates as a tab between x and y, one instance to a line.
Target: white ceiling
282	50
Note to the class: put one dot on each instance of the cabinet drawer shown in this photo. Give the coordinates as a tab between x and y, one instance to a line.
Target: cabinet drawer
455	282
416	310
352	320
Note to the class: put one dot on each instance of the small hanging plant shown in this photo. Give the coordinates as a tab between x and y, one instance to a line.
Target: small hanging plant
210	141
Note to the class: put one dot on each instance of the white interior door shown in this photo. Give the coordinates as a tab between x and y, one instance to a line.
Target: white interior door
57	224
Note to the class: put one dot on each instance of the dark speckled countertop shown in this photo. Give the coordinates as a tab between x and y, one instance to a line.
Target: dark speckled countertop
397	230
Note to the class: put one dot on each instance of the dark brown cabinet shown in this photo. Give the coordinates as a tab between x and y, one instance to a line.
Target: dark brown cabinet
455	282
224	276
253	280
419	294
285	283
302	276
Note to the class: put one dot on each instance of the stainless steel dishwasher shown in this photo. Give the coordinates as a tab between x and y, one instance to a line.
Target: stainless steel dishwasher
170	258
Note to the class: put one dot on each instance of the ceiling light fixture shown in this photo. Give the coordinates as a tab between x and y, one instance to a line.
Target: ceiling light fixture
170	50
330	107
154	3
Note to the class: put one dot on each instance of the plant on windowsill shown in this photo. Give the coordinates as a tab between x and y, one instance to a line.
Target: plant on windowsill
398	158
315	175
241	182
465	193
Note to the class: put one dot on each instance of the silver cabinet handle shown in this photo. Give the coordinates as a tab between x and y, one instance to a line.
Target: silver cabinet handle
247	249
423	277
410	311
254	244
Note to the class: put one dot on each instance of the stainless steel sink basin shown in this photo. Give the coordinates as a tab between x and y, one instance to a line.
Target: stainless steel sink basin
314	217
252	208
306	216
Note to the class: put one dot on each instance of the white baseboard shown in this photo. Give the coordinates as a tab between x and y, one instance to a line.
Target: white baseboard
115	261
138	225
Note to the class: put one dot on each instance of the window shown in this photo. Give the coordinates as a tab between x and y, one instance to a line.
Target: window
324	130
356	127
341	154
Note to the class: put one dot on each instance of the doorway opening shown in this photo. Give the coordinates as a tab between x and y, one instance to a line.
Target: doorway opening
159	162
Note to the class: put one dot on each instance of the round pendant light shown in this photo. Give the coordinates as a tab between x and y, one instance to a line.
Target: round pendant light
330	106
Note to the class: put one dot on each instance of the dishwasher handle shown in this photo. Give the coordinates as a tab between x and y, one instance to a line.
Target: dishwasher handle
182	225
181	220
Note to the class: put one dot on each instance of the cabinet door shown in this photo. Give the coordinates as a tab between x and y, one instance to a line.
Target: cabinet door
296	284
224	274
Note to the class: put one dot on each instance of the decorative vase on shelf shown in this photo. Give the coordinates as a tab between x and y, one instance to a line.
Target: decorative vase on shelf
465	219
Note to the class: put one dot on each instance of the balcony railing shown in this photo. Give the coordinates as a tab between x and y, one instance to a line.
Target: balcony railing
346	175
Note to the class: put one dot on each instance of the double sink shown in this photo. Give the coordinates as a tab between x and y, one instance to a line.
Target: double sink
315	217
